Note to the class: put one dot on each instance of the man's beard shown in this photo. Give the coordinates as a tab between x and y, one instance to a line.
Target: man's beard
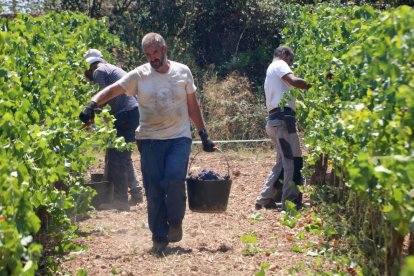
157	64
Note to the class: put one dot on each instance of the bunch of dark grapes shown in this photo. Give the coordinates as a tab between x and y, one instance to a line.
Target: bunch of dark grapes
208	175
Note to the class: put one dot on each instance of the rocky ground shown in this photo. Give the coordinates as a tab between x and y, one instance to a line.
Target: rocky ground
213	243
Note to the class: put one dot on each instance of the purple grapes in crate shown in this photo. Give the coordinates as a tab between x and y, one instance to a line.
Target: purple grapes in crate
208	175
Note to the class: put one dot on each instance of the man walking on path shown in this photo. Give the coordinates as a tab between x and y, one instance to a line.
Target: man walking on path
281	127
166	95
125	109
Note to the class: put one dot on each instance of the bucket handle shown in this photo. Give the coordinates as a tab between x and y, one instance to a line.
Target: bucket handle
215	149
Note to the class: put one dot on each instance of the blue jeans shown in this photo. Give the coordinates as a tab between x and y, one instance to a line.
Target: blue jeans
121	171
164	169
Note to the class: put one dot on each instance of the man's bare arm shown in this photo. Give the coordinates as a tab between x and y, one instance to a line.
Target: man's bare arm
108	93
296	82
194	111
195	114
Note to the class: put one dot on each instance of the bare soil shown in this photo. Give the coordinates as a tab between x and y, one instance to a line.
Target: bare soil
120	242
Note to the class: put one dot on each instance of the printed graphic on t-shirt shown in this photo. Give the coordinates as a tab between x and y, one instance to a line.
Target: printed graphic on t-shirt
164	98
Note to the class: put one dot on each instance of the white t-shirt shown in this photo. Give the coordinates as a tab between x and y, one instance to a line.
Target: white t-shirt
275	87
162	99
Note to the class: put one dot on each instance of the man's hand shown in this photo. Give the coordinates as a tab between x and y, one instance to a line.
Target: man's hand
88	113
208	145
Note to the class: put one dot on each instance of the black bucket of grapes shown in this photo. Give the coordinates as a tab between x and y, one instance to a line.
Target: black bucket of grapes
208	192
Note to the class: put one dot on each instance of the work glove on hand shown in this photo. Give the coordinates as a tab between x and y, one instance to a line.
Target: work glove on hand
208	145
88	113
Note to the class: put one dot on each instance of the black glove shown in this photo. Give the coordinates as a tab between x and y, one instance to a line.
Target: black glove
208	145
88	113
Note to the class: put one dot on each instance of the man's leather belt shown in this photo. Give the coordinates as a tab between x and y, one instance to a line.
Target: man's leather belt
279	113
282	109
285	114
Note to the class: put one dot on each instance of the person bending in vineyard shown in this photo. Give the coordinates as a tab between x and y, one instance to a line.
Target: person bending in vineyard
125	109
281	127
166	95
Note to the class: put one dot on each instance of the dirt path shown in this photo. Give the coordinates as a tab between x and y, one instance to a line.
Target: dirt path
119	242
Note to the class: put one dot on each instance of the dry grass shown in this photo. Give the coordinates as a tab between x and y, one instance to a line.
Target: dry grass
231	110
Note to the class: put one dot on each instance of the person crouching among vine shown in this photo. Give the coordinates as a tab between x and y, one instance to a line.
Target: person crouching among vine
121	171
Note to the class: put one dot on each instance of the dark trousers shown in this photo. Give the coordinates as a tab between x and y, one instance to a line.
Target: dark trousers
121	171
164	169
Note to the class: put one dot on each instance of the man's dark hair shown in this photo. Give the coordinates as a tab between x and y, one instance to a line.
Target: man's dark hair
283	50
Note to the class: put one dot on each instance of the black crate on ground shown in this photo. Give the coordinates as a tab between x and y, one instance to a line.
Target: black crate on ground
104	190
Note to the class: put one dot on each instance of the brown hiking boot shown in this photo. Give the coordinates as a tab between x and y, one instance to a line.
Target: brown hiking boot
159	246
116	204
270	205
135	199
175	232
136	196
